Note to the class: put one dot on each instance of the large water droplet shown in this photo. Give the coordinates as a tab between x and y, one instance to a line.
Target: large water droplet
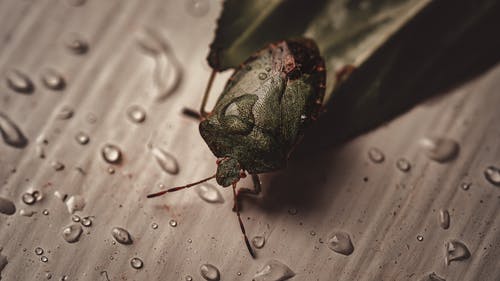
210	193
167	72
7	207
258	242
209	272
65	112
111	153
444	219
82	138
121	235
376	155
455	251
28	198
75	203
19	82
341	243
197	8
72	232
440	149
76	44
492	174
274	270
403	165
53	79
136	114
432	277
11	134
167	162
136	263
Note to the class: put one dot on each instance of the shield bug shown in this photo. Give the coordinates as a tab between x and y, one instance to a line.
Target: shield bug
261	114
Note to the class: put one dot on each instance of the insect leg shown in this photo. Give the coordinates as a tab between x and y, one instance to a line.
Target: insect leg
247	243
256	186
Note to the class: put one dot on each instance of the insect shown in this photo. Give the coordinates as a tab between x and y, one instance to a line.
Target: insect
261	114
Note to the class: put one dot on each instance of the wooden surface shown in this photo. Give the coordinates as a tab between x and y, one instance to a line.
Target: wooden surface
382	208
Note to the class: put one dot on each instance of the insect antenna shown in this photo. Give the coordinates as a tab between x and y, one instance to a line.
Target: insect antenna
178	187
237	209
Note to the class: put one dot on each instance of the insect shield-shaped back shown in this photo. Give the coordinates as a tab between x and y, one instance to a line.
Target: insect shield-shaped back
266	104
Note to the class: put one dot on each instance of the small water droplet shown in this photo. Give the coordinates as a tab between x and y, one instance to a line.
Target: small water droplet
492	174
444	219
209	272
262	76
312	233
76	44
136	263
7	207
189	278
197	8
75	203
376	155
403	165
26	213
268	68
65	112
420	238
71	233
121	235
86	221
465	185
19	82
154	225
172	223
11	134
82	138
341	243
190	241
274	270
111	153
111	170
75	218
56	165
53	79
258	242
28	198
210	193
44	259
440	149
45	212
455	251
38	251
48	275
292	211
432	277
165	160
64	278
136	114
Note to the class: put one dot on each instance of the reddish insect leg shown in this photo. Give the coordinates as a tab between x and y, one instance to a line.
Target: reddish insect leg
247	243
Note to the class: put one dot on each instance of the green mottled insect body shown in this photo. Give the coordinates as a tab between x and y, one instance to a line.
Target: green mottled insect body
264	108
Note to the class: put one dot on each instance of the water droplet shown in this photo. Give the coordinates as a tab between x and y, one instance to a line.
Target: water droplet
136	263
420	238
274	270
444	219
72	232
268	68
19	82
121	235
111	154
465	186
292	211
432	277
45	212
48	275
209	272
172	223
11	134
82	138
210	193
166	161
75	203
26	213
56	165
111	170
189	278
65	112
28	198
86	221
403	165
53	79
492	174
38	251
197	8
76	44
64	278
136	114
44	259
262	76
312	233
61	196
341	243
440	149
167	72
190	240
376	155
455	251
154	225
7	207
258	242
76	218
